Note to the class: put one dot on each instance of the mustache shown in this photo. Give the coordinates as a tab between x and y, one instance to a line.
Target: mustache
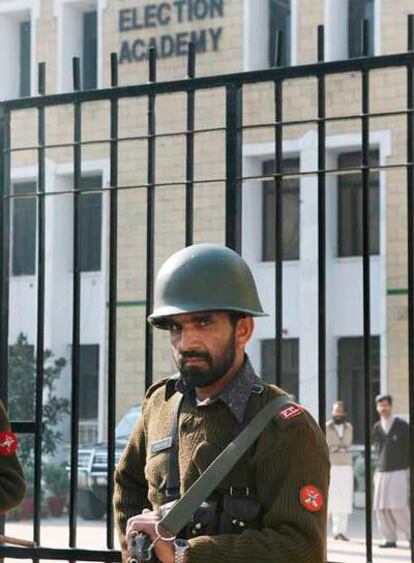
193	354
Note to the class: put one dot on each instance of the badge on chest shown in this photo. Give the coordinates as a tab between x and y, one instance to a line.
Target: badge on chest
161	445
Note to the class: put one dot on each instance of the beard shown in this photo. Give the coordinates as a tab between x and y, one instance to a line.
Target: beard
339	419
211	370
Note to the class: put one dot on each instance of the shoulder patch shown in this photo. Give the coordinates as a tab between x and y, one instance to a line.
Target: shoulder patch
311	498
291	410
8	443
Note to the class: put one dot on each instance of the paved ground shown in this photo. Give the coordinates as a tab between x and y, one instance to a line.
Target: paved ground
92	535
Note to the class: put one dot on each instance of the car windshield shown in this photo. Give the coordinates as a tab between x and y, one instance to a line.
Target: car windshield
125	425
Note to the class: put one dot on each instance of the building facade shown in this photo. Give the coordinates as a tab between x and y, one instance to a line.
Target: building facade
230	36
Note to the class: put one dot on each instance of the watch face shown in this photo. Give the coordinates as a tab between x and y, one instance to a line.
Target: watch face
181	544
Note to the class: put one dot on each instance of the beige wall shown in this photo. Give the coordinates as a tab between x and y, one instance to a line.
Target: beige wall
300	102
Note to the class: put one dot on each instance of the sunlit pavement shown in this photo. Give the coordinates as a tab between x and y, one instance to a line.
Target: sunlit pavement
92	535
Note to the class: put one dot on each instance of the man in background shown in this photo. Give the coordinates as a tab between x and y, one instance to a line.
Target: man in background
339	435
391	440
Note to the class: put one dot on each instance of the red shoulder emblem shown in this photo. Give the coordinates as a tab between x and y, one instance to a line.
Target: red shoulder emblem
311	498
290	411
8	443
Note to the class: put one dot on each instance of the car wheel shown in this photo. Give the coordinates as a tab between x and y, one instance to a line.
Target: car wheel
89	507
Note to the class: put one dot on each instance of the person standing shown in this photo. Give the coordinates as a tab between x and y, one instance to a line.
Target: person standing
271	506
12	484
339	435
391	440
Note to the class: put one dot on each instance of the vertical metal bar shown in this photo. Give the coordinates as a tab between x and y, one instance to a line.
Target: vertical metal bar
410	249
150	218
278	48
113	268
366	296
189	175
278	186
234	134
4	258
40	308
73	505
321	236
5	250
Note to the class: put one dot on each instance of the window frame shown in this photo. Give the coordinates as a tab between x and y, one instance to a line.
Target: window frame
267	345
17	202
268	186
357	372
67	52
374	187
13	13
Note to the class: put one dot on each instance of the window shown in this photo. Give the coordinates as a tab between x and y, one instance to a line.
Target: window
280	17
290	364
17	32
88	381
350	206
89	59
351	379
25	58
90	221
358	11
24	230
291	214
77	37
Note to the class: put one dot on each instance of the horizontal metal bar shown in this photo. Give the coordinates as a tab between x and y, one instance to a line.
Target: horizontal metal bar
220	81
120	140
182	133
24	427
74	554
182	183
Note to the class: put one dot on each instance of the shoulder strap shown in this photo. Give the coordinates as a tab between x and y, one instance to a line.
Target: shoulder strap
173	477
200	490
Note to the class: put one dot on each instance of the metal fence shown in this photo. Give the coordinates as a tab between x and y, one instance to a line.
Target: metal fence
233	130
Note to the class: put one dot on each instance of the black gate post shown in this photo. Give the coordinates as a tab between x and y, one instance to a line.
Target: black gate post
4	257
234	166
410	265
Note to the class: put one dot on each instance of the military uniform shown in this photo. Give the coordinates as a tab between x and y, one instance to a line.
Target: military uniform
276	494
12	485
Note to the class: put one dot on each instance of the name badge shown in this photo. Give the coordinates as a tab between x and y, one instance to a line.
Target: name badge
161	445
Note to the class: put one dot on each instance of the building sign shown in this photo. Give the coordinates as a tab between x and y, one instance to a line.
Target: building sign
164	16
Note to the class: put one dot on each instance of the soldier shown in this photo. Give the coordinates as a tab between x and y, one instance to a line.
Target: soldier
12	485
272	504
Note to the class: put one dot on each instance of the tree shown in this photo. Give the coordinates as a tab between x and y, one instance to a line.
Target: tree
22	392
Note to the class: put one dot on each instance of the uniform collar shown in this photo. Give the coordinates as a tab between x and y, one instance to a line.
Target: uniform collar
236	393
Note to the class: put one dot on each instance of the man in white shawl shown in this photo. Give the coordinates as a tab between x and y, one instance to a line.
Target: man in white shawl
339	434
391	440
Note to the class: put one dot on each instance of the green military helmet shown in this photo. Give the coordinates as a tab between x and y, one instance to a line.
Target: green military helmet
204	277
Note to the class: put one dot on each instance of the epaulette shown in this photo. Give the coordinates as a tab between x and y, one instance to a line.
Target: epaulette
257	388
156	386
168	382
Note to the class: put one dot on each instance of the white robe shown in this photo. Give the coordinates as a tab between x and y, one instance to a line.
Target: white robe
341	489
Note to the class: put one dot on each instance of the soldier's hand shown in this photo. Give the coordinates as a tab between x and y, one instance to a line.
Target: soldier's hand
146	523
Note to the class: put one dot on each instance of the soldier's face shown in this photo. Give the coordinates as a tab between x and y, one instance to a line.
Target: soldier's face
204	346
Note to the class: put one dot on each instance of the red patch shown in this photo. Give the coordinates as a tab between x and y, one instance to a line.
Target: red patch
291	411
311	498
8	443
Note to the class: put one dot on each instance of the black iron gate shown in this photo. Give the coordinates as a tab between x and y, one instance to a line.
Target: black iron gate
233	84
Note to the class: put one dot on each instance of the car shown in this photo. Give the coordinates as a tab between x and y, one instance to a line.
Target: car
93	466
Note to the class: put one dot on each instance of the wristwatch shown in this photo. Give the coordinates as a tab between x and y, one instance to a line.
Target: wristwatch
180	548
